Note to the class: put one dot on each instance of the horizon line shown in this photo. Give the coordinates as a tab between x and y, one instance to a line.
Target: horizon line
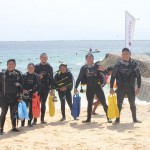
61	40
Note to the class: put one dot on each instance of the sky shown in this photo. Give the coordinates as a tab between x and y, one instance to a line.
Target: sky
39	20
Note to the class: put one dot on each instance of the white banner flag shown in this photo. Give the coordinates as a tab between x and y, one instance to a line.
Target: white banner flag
129	29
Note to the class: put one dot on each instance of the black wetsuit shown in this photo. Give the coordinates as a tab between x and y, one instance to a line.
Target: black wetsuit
126	74
31	83
64	80
46	84
92	77
9	89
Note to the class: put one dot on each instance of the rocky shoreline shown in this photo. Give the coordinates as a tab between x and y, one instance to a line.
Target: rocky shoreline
144	64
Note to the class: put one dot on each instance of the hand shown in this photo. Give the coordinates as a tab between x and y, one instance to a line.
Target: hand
25	91
101	68
41	76
63	88
52	93
36	93
137	91
17	84
20	100
112	91
76	91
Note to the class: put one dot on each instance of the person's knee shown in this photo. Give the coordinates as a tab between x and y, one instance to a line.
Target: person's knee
90	103
4	112
43	103
132	106
119	106
103	102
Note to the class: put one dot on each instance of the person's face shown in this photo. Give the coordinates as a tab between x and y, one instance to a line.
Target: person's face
31	69
63	69
11	66
89	60
126	55
43	58
110	72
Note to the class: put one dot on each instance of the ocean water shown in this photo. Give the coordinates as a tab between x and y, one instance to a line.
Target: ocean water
70	52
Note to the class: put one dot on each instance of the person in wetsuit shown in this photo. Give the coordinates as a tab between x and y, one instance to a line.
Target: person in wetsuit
90	74
64	83
45	72
31	85
126	72
11	86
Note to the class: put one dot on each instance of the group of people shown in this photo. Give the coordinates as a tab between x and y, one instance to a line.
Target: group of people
15	87
39	79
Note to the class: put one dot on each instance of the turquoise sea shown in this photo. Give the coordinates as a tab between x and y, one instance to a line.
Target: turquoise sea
70	52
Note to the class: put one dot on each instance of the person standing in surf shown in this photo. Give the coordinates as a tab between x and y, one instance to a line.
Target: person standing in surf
45	72
90	75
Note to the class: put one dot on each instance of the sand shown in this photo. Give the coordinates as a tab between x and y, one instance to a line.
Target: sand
74	135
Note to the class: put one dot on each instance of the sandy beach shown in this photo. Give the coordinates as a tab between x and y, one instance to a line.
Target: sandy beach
73	42
73	135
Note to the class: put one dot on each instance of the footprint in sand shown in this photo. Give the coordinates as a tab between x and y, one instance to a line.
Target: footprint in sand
18	141
129	139
130	131
39	143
